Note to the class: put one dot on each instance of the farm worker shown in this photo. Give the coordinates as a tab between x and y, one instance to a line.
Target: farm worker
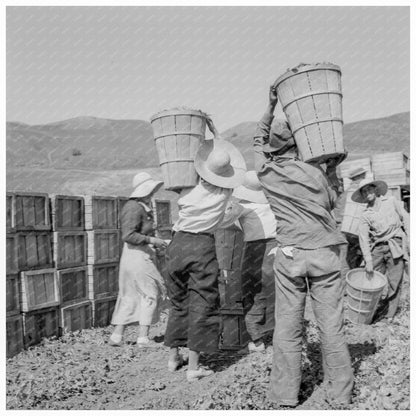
140	284
250	208
383	233
307	260
191	263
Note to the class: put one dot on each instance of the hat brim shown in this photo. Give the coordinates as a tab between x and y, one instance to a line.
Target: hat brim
146	188
245	194
233	176
381	187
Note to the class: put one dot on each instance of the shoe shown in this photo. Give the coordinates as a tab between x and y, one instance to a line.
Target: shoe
252	347
115	341
142	341
192	375
174	365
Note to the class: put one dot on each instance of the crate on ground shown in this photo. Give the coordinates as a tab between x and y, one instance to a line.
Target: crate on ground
34	250
121	201
14	335
73	285
100	212
103	280
76	317
31	211
69	249
103	311
39	289
234	335
12	294
67	213
39	324
394	177
383	162
10	210
103	246
12	256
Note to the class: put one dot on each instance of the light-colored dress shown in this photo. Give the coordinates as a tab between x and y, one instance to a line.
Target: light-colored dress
140	283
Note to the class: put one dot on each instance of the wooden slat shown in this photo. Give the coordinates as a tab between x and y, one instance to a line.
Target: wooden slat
10	212
14	335
121	201
70	249
12	255
39	289
12	294
40	324
76	317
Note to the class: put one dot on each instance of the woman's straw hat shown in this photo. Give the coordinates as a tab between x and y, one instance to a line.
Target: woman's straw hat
144	185
220	163
251	189
381	189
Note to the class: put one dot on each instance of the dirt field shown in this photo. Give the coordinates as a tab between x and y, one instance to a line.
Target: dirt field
81	371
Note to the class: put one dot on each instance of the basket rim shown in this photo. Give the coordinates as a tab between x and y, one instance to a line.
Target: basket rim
177	112
350	272
306	68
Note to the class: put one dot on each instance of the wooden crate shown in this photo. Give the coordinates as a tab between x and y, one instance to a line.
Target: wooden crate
14	335
43	323
76	317
234	335
67	213
73	285
394	177
229	247
346	167
34	250
121	201
103	280
10	210
395	191
162	215
12	294
39	289
69	249
231	289
31	211
103	311
12	254
351	216
100	212
103	246
383	162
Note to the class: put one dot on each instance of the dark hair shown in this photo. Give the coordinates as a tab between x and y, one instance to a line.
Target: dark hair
371	185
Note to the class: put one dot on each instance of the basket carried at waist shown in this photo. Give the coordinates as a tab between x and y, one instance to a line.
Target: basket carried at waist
178	134
311	97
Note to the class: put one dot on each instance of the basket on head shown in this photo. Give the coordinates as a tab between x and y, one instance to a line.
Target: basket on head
311	98
363	295
178	134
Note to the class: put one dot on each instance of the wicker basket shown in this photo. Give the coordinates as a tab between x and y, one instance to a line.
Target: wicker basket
311	98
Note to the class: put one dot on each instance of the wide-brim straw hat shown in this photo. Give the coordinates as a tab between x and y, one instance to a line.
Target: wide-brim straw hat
220	163
251	189
144	185
281	137
356	172
381	189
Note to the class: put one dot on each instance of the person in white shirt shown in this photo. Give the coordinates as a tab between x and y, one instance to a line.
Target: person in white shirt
251	209
192	278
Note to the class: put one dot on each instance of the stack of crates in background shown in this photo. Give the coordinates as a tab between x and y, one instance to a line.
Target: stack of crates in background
70	256
102	227
229	249
39	296
392	168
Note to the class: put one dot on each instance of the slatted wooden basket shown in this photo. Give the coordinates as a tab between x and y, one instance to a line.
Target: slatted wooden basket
178	134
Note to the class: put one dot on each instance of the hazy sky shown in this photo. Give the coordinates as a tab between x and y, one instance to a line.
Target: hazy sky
131	62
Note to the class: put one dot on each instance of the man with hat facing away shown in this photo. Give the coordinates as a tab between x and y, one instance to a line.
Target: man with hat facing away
140	283
383	234
250	208
307	260
192	278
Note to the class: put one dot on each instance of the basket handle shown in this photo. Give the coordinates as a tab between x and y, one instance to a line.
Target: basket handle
212	128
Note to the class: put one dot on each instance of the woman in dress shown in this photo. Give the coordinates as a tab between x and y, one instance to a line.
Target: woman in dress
140	284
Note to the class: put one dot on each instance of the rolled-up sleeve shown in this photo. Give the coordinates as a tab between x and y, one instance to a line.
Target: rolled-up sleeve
132	218
261	137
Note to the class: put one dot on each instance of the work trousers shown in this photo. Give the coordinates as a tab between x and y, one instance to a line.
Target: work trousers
319	271
192	285
258	287
393	269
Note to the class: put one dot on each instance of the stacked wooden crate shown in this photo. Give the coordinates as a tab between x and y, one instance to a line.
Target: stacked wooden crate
392	168
39	291
102	225
70	255
229	249
346	167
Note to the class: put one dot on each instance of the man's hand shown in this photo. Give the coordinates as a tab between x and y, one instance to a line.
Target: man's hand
369	269
212	128
158	242
272	96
